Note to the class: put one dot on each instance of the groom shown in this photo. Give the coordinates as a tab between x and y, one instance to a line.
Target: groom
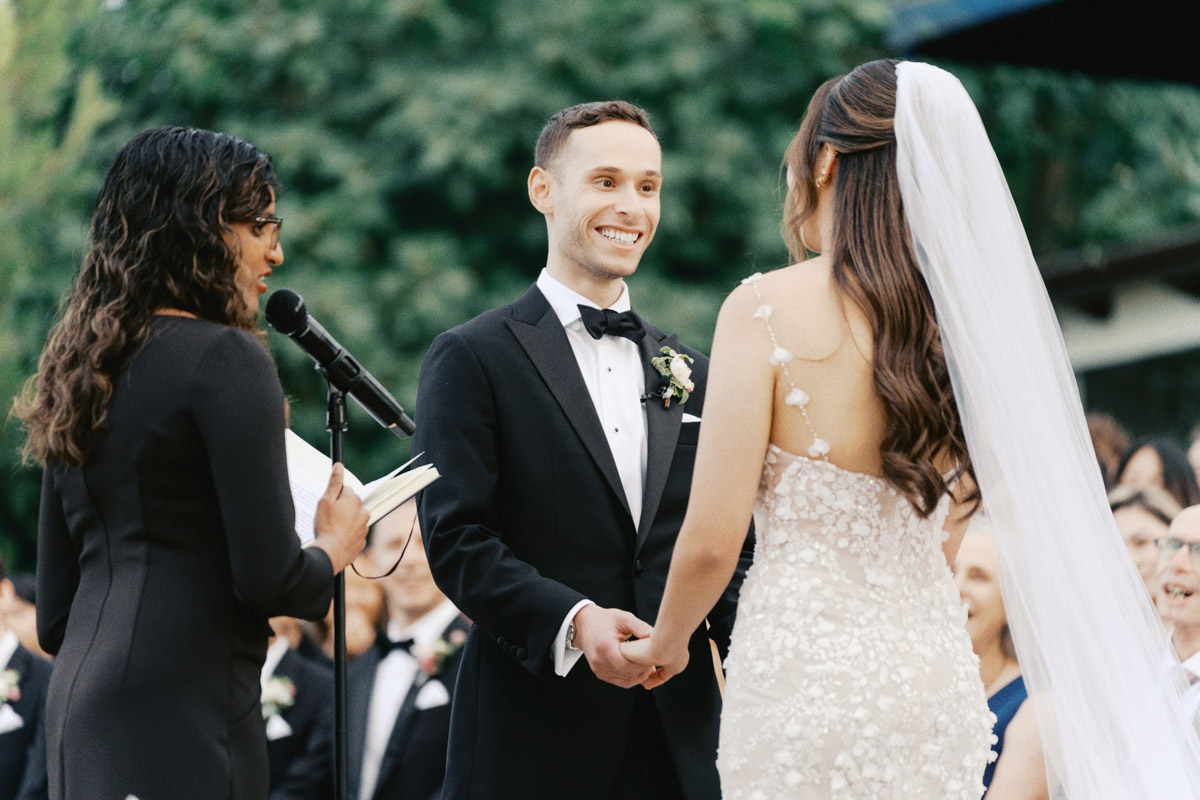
566	476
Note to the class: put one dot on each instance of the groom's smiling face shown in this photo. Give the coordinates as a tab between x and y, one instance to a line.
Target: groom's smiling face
602	203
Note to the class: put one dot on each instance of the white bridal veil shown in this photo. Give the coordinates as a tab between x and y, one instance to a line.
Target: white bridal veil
1085	631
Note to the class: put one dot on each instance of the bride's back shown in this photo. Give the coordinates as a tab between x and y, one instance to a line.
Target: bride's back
832	344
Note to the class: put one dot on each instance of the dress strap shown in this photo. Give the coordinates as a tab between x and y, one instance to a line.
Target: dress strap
780	357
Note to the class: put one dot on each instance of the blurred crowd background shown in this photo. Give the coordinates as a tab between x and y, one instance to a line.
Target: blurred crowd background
403	133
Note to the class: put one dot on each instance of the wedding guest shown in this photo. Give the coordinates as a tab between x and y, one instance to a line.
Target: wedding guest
1110	441
1143	516
1159	461
22	618
1019	770
24	679
297	701
1178	587
398	698
1193	451
166	537
365	613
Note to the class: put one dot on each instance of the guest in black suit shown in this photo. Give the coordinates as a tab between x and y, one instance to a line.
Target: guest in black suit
24	679
298	710
166	534
398	694
561	497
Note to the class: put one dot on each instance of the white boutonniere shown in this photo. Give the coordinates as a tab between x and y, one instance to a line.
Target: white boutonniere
675	368
278	694
431	658
10	686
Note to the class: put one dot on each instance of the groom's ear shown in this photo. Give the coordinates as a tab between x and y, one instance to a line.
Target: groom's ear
541	193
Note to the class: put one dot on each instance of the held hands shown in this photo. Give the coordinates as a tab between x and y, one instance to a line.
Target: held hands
341	522
599	633
664	666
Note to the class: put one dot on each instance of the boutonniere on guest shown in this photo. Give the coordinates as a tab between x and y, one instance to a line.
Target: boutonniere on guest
431	658
674	367
10	691
278	694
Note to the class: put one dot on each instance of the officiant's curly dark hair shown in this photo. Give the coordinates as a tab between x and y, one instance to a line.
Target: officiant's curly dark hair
874	265
158	240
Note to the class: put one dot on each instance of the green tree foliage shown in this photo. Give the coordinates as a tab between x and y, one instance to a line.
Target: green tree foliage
403	131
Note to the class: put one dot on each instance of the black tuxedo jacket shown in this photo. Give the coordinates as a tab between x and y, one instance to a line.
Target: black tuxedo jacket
528	519
23	751
414	762
301	764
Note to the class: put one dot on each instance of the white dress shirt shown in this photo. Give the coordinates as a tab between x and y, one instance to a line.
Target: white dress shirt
275	654
8	646
1190	711
613	373
393	679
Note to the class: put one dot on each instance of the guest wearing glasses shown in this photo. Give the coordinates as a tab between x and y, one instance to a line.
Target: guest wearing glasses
1179	598
1143	516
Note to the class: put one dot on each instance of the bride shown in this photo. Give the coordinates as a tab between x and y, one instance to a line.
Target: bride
865	402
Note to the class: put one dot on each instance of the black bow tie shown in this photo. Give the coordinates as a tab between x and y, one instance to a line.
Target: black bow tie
599	322
387	645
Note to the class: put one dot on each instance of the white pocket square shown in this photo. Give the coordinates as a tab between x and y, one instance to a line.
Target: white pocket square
277	728
690	417
432	695
10	720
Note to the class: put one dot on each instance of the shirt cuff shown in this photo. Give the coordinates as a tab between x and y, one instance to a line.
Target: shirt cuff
564	659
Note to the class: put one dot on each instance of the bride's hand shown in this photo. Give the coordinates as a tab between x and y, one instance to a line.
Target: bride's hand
667	665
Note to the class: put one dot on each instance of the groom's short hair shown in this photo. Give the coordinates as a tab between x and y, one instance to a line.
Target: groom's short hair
584	115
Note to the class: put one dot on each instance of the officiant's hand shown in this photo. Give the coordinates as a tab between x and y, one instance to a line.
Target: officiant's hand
341	522
664	665
599	633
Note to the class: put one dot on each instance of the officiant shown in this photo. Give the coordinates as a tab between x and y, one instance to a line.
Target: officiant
166	536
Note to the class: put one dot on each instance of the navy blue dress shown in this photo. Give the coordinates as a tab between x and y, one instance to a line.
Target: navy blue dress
1004	705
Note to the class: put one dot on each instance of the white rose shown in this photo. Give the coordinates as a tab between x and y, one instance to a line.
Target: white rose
682	372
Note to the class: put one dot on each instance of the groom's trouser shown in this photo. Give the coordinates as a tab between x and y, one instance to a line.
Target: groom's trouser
647	771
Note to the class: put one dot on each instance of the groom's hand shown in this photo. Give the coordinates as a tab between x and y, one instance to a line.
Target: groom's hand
599	633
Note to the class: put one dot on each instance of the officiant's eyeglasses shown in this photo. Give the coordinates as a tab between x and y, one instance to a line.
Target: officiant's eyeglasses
1171	545
259	223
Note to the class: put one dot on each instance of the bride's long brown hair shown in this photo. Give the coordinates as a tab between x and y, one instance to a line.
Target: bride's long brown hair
159	239
874	265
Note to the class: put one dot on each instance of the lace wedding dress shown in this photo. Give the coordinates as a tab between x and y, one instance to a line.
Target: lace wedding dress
850	673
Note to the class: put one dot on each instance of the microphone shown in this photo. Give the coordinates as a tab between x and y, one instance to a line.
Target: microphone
286	312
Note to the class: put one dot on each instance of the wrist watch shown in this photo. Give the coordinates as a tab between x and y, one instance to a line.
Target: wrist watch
571	636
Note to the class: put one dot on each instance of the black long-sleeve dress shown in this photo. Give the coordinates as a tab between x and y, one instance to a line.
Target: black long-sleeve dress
159	562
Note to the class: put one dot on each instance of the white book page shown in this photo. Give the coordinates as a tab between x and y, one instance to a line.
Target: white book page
308	473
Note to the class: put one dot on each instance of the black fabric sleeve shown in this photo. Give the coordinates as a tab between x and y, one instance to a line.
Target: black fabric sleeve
458	431
237	403
57	569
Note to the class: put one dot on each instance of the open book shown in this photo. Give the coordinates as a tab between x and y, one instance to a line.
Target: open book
309	470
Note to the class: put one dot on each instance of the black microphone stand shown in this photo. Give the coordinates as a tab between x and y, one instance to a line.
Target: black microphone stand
337	424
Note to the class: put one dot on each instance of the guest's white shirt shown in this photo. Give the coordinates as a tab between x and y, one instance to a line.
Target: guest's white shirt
613	373
1191	669
8	646
393	679
275	654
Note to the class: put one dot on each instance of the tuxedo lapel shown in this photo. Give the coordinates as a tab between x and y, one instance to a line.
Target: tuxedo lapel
662	429
539	332
358	709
